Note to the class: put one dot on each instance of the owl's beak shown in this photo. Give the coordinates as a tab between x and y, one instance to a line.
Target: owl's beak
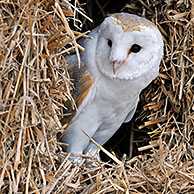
117	65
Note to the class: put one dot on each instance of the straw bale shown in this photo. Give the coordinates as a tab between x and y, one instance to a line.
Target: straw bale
35	85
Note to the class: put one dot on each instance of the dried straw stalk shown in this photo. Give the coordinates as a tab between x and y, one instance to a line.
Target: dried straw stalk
34	86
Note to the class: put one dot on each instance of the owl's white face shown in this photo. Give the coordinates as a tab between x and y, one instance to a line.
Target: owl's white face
127	47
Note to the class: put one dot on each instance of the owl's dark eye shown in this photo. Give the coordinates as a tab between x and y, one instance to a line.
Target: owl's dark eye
109	42
135	48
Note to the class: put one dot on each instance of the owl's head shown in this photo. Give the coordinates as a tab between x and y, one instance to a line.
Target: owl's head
127	47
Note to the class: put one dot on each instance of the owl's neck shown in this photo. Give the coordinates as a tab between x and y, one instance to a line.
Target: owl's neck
138	83
111	88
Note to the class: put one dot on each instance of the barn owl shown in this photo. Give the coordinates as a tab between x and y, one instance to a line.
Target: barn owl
120	59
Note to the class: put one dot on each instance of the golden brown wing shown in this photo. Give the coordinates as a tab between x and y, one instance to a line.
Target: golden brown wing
82	83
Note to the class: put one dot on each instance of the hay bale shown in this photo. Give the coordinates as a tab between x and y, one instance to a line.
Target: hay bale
35	85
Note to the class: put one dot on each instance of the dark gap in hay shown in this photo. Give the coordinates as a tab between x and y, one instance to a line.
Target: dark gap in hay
99	9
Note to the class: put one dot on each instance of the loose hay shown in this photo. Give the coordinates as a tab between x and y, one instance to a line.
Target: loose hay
34	86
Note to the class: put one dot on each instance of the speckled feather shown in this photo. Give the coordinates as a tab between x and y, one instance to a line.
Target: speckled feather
134	24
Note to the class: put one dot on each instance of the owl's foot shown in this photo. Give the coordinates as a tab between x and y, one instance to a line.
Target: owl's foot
84	161
75	159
